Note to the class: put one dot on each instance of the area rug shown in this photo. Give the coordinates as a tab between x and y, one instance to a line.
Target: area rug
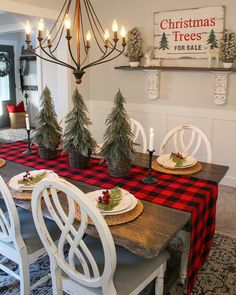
10	135
218	276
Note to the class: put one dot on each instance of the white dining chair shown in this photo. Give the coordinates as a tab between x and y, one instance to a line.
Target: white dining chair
91	265
19	240
138	132
186	144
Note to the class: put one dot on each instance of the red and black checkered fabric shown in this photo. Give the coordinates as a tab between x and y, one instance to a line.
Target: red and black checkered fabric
190	194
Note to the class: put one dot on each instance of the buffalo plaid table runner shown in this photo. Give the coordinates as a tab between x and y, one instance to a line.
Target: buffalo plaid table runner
197	196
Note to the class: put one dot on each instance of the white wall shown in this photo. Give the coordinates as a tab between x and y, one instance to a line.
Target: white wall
185	97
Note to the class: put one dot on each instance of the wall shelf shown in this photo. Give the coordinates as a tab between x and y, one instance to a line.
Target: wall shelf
165	68
30	87
154	76
27	57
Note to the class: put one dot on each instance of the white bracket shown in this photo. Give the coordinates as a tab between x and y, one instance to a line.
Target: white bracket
221	87
153	83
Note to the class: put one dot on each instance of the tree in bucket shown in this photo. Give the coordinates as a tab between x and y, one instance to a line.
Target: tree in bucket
77	138
118	147
48	132
134	47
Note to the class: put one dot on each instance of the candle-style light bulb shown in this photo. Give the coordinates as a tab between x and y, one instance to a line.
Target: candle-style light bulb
106	35
115	29
40	29
28	31
67	22
28	28
27	122
41	25
48	36
88	38
123	34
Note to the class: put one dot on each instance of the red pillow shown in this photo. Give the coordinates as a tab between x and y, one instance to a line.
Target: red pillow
16	108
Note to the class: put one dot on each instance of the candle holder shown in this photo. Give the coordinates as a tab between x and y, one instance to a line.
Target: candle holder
149	179
28	151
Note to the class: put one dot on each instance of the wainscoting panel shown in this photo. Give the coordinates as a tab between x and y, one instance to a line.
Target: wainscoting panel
219	126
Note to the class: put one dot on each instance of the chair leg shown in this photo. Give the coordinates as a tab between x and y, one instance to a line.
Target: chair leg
159	282
24	276
56	278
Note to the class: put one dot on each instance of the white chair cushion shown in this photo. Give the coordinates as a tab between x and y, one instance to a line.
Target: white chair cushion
127	264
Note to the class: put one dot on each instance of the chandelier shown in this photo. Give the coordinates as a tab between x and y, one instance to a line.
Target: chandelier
71	24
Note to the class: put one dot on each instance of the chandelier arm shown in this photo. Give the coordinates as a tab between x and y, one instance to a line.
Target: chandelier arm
100	59
71	55
62	62
46	59
104	61
92	28
54	25
96	21
82	34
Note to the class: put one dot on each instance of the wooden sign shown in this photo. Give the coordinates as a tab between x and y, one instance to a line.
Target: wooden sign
188	33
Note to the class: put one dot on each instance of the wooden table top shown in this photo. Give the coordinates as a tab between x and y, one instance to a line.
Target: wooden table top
151	232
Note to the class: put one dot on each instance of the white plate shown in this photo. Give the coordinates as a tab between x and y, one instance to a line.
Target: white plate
13	183
124	203
166	162
133	204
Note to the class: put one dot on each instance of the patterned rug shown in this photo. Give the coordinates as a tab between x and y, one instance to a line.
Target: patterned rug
218	276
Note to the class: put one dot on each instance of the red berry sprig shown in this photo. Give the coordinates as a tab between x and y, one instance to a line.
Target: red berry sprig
180	156
105	198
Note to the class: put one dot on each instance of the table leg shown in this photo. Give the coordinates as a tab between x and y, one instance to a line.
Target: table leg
185	237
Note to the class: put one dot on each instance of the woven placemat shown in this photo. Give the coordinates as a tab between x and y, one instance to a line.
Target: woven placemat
119	218
2	162
24	196
186	171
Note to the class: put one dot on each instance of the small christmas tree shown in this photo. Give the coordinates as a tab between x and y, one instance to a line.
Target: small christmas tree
134	44
48	132
77	136
212	40
118	137
164	42
227	47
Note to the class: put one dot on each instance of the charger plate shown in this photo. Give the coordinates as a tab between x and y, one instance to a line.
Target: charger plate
24	196
181	171
2	162
118	218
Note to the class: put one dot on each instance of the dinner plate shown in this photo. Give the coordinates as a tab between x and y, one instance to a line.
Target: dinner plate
166	162
125	203
13	183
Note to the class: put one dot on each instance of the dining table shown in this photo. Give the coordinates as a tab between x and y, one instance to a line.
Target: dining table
153	230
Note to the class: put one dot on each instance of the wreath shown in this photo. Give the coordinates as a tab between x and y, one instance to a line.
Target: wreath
6	69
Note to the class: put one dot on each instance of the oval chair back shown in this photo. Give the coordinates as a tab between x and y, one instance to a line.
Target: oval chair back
79	265
138	131
186	144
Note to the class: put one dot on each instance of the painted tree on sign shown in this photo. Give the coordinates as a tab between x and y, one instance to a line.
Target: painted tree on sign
212	40
164	42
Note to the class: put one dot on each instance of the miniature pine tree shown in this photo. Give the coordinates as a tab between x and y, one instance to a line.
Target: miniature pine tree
134	44
118	143
48	132
212	40
164	42
228	47
76	133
